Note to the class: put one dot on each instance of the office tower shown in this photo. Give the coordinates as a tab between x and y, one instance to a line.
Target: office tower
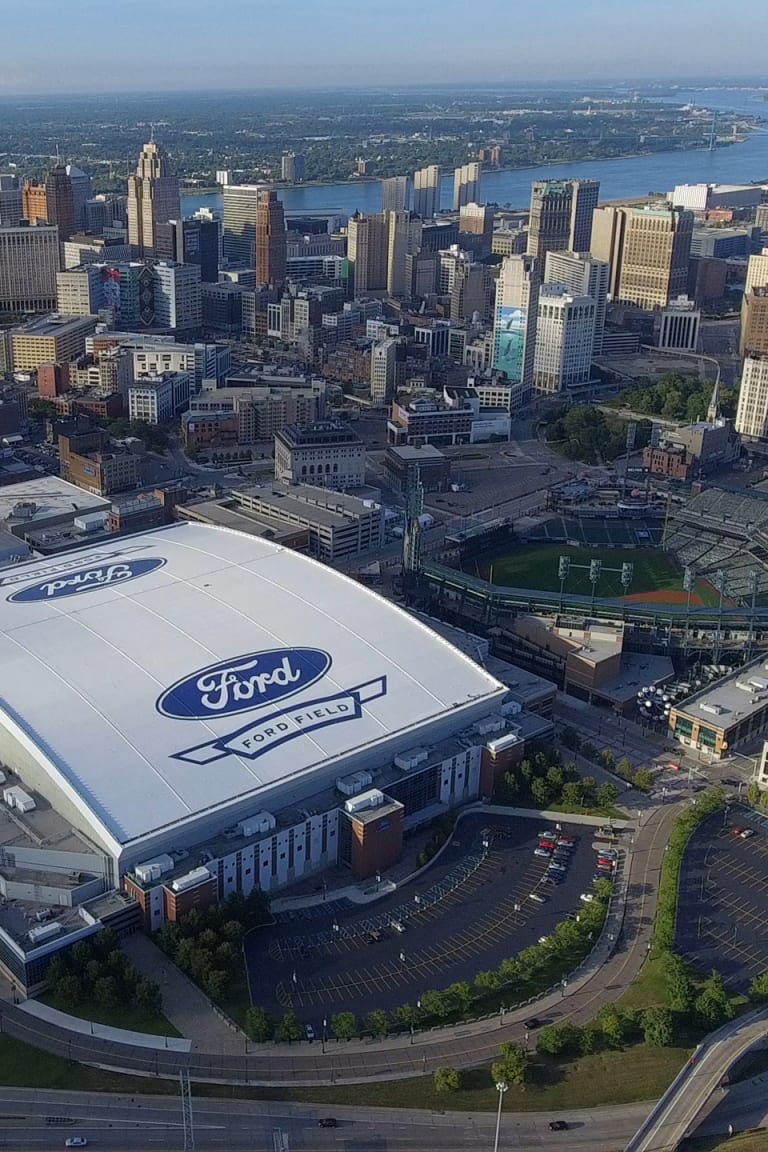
29	261
561	216
271	241
240	209
426	191
153	198
368	252
656	251
384	370
466	185
754	322
752	411
395	194
514	331
404	239
476	228
470	291
34	203
81	192
292	168
59	198
757	271
178	301
565	334
191	241
10	201
608	228
582	275
80	291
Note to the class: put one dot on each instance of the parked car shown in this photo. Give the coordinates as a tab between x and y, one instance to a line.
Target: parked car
531	1023
587	897
310	1032
746	833
375	935
76	1142
545	843
558	1125
398	925
553	866
542	852
731	781
537	896
327	1122
563	838
543	939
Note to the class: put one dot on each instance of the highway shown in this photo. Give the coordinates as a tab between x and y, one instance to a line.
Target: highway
676	1114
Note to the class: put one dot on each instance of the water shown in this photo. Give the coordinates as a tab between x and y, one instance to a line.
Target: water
633	176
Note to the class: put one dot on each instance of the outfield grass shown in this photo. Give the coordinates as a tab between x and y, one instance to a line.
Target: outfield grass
536	566
134	1018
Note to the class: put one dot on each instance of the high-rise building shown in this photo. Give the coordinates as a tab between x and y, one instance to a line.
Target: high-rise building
608	227
752	411
153	198
426	191
81	192
404	239
368	252
292	168
395	194
470	291
654	261
178	302
34	203
191	241
271	240
754	322
561	216
80	291
514	331
757	271
384	357
582	275
240	201
10	200
476	228
29	261
565	334
466	185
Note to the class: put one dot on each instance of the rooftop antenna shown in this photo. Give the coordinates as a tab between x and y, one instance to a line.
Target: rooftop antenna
152	133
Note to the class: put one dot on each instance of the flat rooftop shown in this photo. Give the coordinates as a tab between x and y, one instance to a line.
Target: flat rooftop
229	514
51	497
731	700
408	452
54	325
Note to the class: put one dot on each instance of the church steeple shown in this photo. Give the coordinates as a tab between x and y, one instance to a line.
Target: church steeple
713	412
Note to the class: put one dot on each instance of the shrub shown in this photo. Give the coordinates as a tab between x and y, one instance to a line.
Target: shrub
446	1080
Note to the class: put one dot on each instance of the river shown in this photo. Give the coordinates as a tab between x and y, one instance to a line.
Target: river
631	176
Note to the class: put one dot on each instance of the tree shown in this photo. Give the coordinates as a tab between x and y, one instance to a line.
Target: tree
713	1004
571	795
487	981
603	888
378	1022
436	1004
405	1015
147	995
753	794
446	1080
658	1027
624	768
216	983
607	759
571	739
106	992
551	1040
461	996
612	1025
69	990
679	984
510	969
643	780
590	1036
232	931
344	1024
541	792
588	785
607	795
758	989
290	1027
555	778
259	1026
513	1065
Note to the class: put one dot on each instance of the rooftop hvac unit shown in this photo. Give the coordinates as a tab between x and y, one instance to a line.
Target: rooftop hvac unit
355	783
24	802
191	879
411	759
153	869
362	803
257	825
43	932
490	724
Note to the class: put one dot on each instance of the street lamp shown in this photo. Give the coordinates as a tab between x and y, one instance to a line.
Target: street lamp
486	845
501	1088
563	986
325	1032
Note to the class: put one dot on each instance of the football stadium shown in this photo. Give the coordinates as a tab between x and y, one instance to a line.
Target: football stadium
192	712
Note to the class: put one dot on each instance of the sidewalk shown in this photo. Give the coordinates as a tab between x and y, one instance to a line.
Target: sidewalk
184	1004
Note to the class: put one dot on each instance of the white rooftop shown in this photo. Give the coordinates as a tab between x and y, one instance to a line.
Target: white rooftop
181	671
52	497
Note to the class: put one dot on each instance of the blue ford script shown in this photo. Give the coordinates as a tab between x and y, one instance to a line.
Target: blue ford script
244	683
86	580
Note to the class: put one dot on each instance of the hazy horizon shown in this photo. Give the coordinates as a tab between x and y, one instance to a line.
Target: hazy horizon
250	45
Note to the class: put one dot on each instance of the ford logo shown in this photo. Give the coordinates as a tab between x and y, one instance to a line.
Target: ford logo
86	580
244	683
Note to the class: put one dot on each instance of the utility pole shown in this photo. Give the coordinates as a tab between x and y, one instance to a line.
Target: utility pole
186	1111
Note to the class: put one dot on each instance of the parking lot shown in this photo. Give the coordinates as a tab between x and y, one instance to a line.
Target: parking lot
474	908
723	919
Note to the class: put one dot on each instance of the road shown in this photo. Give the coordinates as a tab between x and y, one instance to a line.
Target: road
150	1122
677	1112
603	979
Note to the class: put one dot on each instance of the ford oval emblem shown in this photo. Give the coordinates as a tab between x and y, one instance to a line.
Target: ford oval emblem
244	683
86	580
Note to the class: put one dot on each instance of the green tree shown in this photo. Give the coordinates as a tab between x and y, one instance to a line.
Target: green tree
555	778
612	1024
758	989
753	793
551	1040
588	785
405	1015
680	986
588	751
69	990
487	981
590	1037
147	995
216	983
643	780
541	792
513	1065
571	795
461	996
258	1024
377	1022
607	759
106	992
713	1004
607	795
624	768
658	1027
344	1025
435	1003
603	888
290	1027
446	1080
510	969
571	739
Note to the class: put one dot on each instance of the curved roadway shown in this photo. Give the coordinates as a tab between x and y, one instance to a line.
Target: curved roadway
603	978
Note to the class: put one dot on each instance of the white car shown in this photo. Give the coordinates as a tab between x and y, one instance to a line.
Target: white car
397	925
555	867
587	897
76	1142
310	1032
543	852
543	939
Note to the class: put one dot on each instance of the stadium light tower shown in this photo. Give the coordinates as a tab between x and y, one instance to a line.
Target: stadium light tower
595	568
563	566
627	574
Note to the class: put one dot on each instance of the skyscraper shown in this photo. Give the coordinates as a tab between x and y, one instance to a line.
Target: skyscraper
757	271
395	194
60	202
476	228
368	251
466	185
608	227
10	200
192	241
565	334
514	330
404	239
561	216
654	261
582	275
153	198
29	261
752	411
81	192
271	241
292	167
34	203
383	370
426	191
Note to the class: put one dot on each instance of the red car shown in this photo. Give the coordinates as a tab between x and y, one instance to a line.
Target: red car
550	844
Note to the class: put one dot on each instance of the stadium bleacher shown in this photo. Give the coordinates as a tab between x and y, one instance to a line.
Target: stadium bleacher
724	530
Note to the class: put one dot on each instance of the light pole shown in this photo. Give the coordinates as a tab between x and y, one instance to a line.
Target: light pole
501	1088
325	1032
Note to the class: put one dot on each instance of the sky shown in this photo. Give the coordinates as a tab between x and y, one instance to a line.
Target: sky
138	45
